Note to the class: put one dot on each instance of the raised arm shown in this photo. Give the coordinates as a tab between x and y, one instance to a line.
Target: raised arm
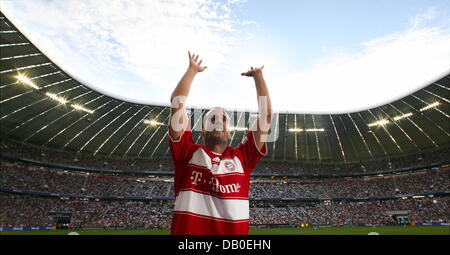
264	106
178	118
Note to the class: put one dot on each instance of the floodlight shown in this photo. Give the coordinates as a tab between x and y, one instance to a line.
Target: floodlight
56	98
24	80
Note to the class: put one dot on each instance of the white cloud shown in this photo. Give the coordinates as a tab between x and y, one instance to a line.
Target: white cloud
97	40
385	70
430	14
137	50
380	71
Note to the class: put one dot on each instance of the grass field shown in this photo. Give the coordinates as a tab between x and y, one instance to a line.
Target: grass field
394	230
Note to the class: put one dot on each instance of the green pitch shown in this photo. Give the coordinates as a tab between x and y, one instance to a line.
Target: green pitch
395	230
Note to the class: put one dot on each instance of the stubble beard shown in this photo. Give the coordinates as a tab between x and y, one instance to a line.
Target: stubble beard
211	139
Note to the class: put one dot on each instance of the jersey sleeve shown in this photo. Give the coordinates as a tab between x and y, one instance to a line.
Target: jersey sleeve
182	148
250	153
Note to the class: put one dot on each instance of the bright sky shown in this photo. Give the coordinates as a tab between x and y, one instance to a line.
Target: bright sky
319	56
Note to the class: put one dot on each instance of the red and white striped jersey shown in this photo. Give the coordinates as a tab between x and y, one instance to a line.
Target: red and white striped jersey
211	190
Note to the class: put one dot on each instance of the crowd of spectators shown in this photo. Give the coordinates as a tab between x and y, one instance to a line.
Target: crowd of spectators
405	183
29	151
266	166
31	178
344	213
25	210
375	165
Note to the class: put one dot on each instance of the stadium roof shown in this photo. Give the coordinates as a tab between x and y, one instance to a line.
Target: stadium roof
40	104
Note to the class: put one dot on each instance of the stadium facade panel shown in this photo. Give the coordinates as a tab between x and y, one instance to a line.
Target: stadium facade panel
38	103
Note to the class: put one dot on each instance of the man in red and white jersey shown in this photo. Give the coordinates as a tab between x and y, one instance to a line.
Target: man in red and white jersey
212	180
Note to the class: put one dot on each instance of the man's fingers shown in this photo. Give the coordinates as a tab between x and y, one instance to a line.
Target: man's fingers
193	56
196	58
189	53
200	63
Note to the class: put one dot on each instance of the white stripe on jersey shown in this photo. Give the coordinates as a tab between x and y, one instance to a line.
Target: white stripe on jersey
229	209
226	166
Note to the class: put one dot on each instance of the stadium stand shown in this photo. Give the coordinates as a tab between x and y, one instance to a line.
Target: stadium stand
103	164
25	210
98	200
31	178
21	150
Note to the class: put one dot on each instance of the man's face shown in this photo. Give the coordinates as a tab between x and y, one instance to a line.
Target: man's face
216	129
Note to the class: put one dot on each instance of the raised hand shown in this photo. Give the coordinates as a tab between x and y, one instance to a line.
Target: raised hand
253	71
194	64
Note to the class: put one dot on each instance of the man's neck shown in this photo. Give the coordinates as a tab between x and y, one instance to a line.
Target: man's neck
217	148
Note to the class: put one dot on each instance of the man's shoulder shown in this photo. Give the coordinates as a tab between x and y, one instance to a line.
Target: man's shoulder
233	151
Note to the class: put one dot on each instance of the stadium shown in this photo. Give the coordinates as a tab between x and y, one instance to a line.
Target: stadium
75	159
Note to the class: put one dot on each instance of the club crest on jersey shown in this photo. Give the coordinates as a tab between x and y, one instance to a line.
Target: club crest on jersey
229	166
